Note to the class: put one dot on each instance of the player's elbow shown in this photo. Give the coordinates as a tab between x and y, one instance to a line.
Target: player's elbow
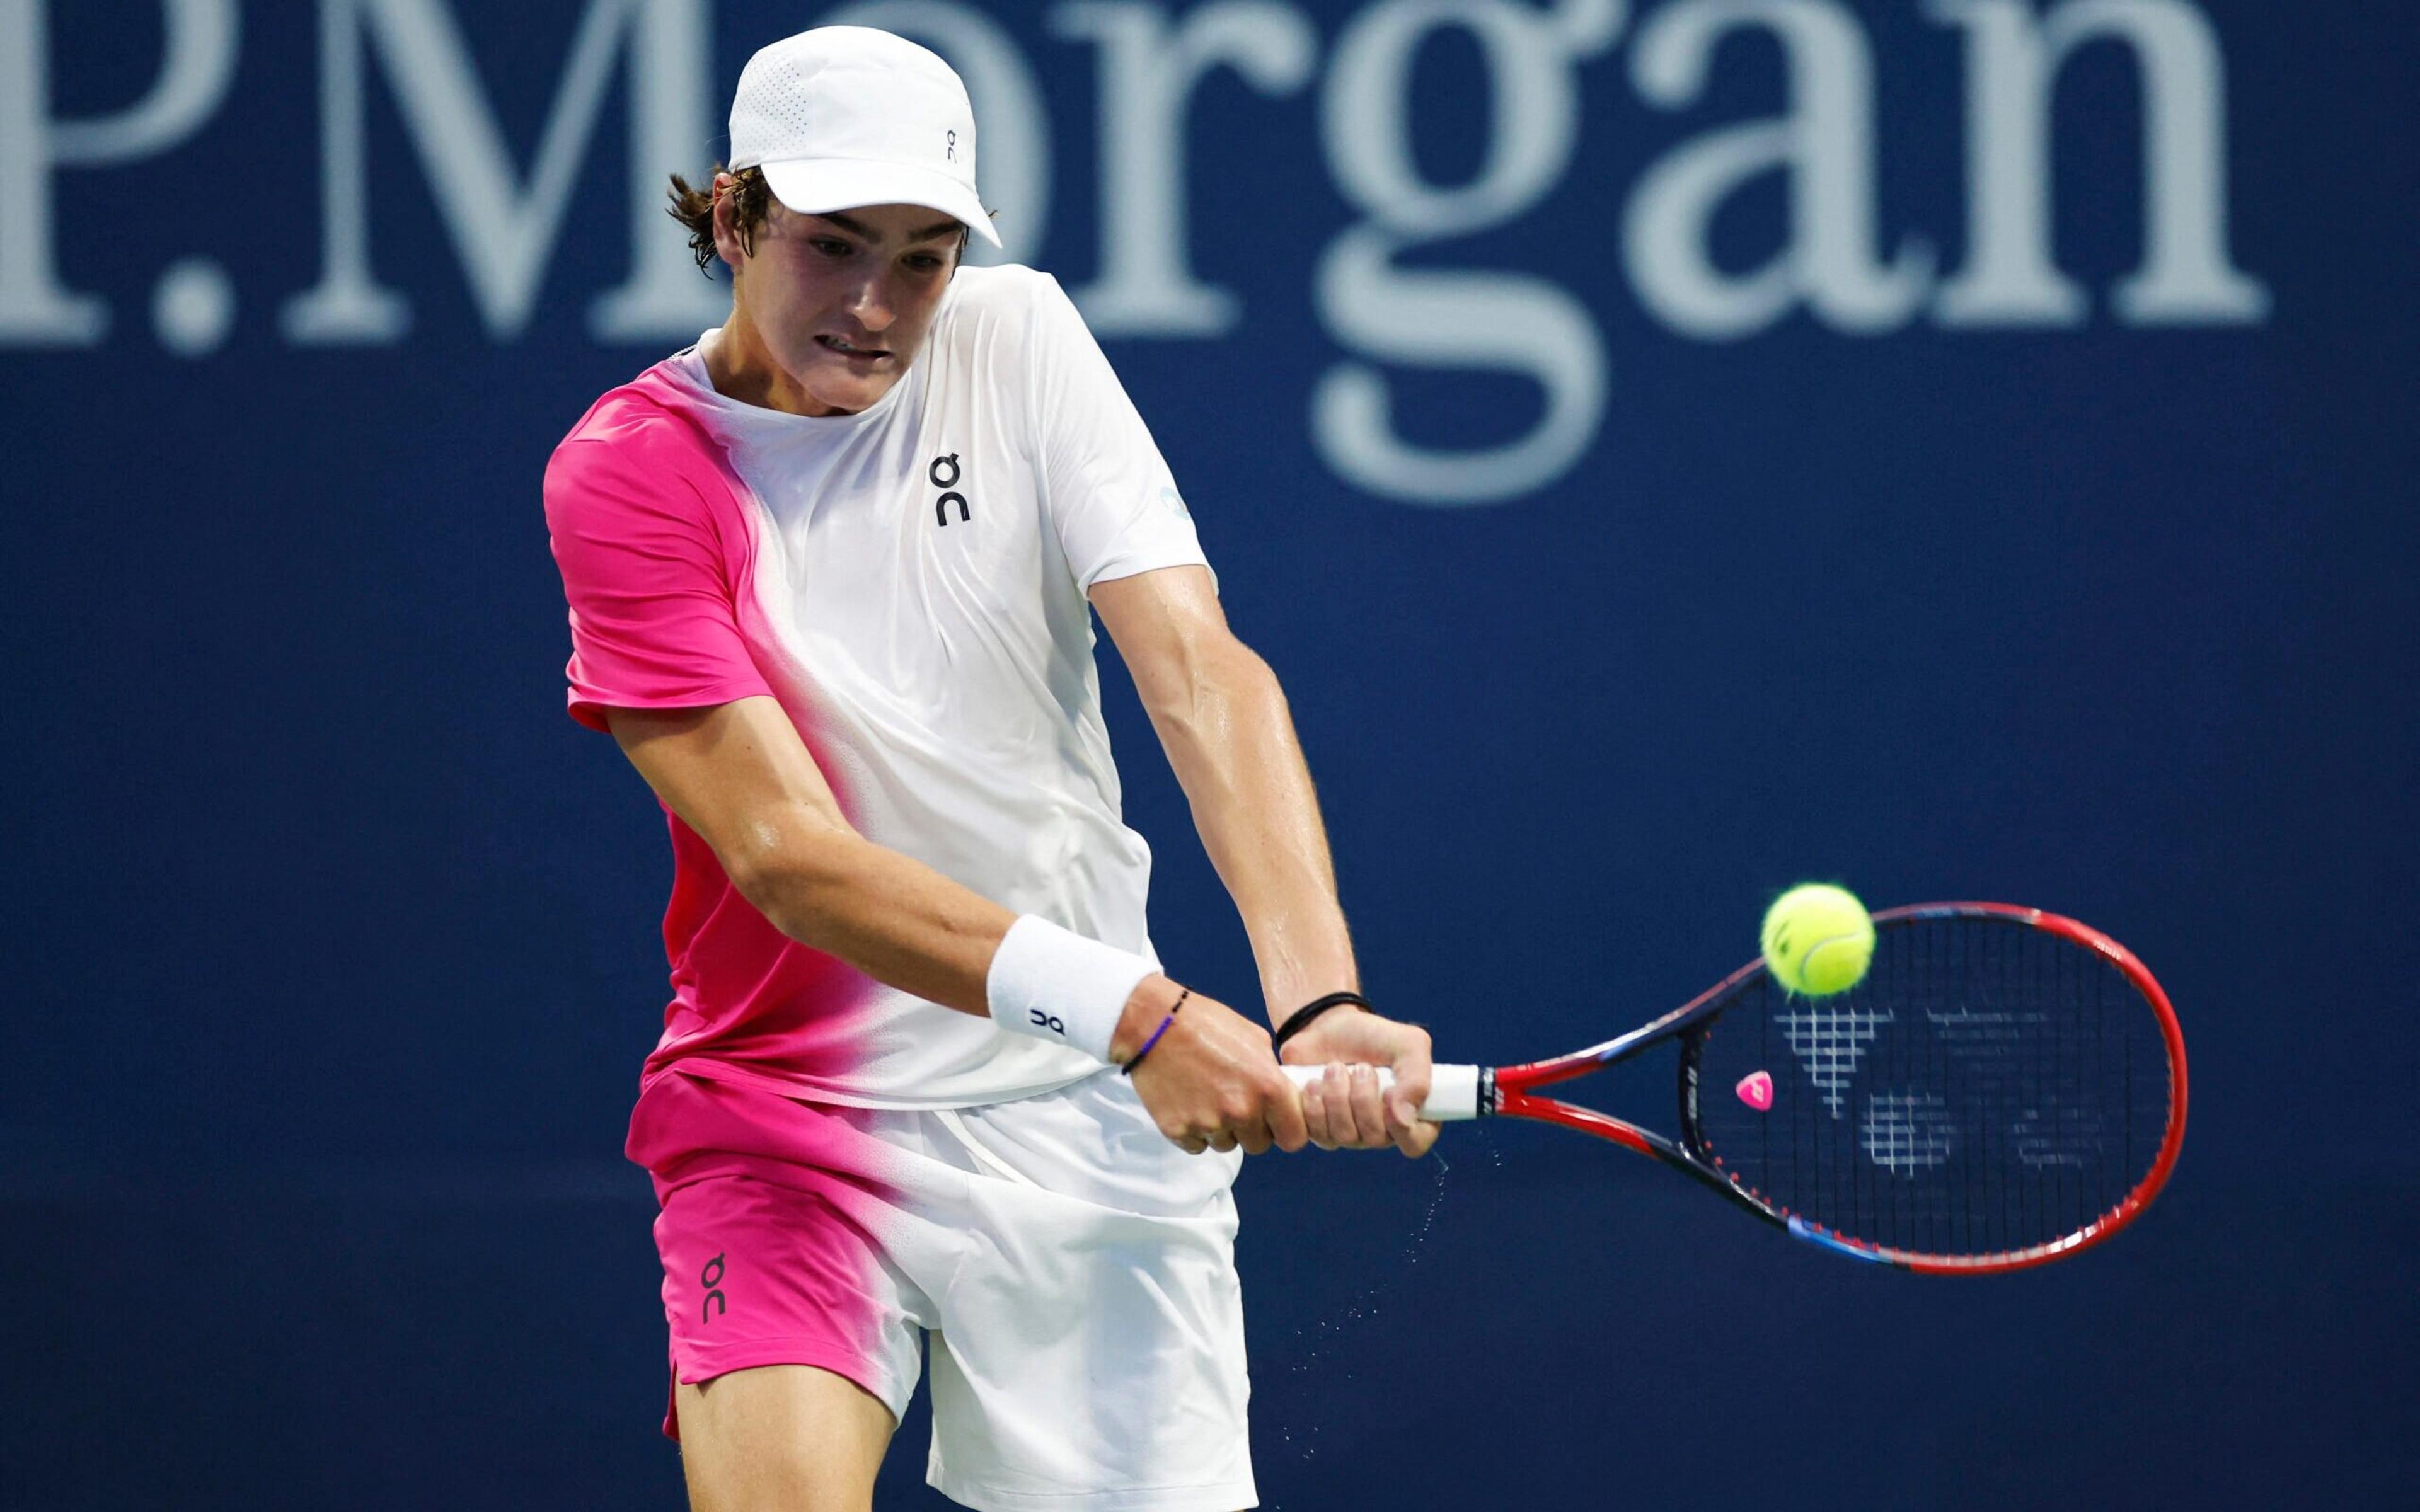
792	866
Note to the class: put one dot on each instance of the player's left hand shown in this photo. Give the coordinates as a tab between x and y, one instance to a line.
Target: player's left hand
1344	1109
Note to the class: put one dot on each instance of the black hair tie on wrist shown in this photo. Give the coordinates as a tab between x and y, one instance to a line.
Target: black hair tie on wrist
1300	1019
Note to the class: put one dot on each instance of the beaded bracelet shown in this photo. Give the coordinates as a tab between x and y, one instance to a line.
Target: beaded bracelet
1136	1060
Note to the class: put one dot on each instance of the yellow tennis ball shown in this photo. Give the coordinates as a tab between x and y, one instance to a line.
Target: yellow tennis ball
1818	939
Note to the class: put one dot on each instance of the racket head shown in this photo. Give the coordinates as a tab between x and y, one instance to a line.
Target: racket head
2006	1087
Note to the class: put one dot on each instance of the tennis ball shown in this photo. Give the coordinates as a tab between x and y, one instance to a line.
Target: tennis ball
1818	939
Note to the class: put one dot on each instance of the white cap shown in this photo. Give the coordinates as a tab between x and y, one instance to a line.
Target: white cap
843	117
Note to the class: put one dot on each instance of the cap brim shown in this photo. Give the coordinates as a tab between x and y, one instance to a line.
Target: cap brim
817	186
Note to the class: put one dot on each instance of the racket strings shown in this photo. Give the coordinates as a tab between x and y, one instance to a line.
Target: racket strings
1988	1088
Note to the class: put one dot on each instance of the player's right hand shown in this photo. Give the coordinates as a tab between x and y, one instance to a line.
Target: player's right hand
1211	1082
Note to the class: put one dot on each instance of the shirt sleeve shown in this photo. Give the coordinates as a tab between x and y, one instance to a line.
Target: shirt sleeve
655	623
1106	488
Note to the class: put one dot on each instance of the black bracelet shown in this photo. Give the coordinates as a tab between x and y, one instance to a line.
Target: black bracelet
1301	1018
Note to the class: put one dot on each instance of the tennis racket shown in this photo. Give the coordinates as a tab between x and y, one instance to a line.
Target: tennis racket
2005	1087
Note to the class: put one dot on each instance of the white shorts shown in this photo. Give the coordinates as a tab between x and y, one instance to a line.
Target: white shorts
1074	1271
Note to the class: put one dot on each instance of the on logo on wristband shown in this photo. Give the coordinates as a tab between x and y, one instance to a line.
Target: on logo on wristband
1050	982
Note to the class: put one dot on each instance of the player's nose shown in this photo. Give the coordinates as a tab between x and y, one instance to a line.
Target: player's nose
871	306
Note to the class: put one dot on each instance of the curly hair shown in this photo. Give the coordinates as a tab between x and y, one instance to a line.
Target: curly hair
752	200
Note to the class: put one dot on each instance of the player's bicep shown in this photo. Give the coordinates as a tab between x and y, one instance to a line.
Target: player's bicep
739	775
649	583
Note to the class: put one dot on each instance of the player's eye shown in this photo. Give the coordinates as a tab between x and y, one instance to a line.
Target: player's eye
831	246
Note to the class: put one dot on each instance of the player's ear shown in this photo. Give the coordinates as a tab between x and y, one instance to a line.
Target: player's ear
734	241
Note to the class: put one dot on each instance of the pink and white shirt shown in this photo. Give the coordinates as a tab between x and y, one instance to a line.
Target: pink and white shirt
909	583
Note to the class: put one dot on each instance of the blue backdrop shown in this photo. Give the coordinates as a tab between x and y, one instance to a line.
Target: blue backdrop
1961	447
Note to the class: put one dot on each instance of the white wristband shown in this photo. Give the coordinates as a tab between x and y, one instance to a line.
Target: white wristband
1055	985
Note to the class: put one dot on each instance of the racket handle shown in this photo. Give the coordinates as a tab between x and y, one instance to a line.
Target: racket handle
1453	1091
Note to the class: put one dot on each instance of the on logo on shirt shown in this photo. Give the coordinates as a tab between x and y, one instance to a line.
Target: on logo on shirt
947	465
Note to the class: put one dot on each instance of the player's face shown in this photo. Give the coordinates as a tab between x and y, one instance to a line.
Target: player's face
840	302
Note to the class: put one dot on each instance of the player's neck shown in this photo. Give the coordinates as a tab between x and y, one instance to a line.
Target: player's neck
742	367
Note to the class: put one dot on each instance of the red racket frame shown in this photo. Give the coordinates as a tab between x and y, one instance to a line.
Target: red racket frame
1508	1091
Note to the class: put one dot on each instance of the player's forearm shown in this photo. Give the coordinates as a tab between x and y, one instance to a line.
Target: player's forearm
909	927
1230	739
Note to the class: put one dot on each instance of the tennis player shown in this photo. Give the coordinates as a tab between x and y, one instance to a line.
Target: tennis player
830	573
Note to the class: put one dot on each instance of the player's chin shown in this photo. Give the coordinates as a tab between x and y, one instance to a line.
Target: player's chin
842	381
851	391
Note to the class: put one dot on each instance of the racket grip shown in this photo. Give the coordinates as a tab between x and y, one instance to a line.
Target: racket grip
1453	1091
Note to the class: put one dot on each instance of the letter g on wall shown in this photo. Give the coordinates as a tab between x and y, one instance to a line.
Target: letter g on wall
1475	322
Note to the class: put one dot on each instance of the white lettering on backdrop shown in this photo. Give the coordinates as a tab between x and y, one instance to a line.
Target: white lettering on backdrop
2012	62
505	221
1148	73
503	225
1504	321
1827	147
197	60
